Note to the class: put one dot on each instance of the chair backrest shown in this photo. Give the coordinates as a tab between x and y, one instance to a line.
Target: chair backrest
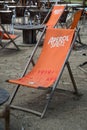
55	15
76	19
55	52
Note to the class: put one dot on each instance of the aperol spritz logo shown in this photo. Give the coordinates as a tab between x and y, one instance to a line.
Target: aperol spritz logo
58	41
57	11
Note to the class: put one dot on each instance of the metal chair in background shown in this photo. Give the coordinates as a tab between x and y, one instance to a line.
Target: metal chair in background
6	30
5	114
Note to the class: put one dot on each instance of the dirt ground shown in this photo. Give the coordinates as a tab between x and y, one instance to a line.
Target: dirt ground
65	112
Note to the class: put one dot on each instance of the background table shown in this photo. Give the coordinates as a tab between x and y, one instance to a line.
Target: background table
4	95
7	2
29	32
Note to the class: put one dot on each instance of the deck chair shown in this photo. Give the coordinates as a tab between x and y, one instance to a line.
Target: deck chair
48	69
55	15
7	37
74	25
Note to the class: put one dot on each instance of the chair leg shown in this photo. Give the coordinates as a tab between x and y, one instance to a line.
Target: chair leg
13	95
7	118
72	79
46	106
11	40
81	67
1	45
1	41
79	39
6	115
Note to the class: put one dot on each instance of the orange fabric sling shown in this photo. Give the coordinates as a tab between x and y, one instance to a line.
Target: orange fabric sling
55	15
77	17
5	36
49	65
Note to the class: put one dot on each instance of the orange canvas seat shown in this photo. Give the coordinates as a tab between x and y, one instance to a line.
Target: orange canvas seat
45	73
4	35
56	13
74	25
76	19
48	69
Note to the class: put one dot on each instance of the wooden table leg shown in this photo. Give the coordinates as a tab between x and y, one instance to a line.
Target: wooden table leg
29	36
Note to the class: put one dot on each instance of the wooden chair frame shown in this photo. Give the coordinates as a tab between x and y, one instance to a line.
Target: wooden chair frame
66	63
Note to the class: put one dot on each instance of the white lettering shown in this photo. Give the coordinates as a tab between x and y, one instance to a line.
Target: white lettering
57	41
58	11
